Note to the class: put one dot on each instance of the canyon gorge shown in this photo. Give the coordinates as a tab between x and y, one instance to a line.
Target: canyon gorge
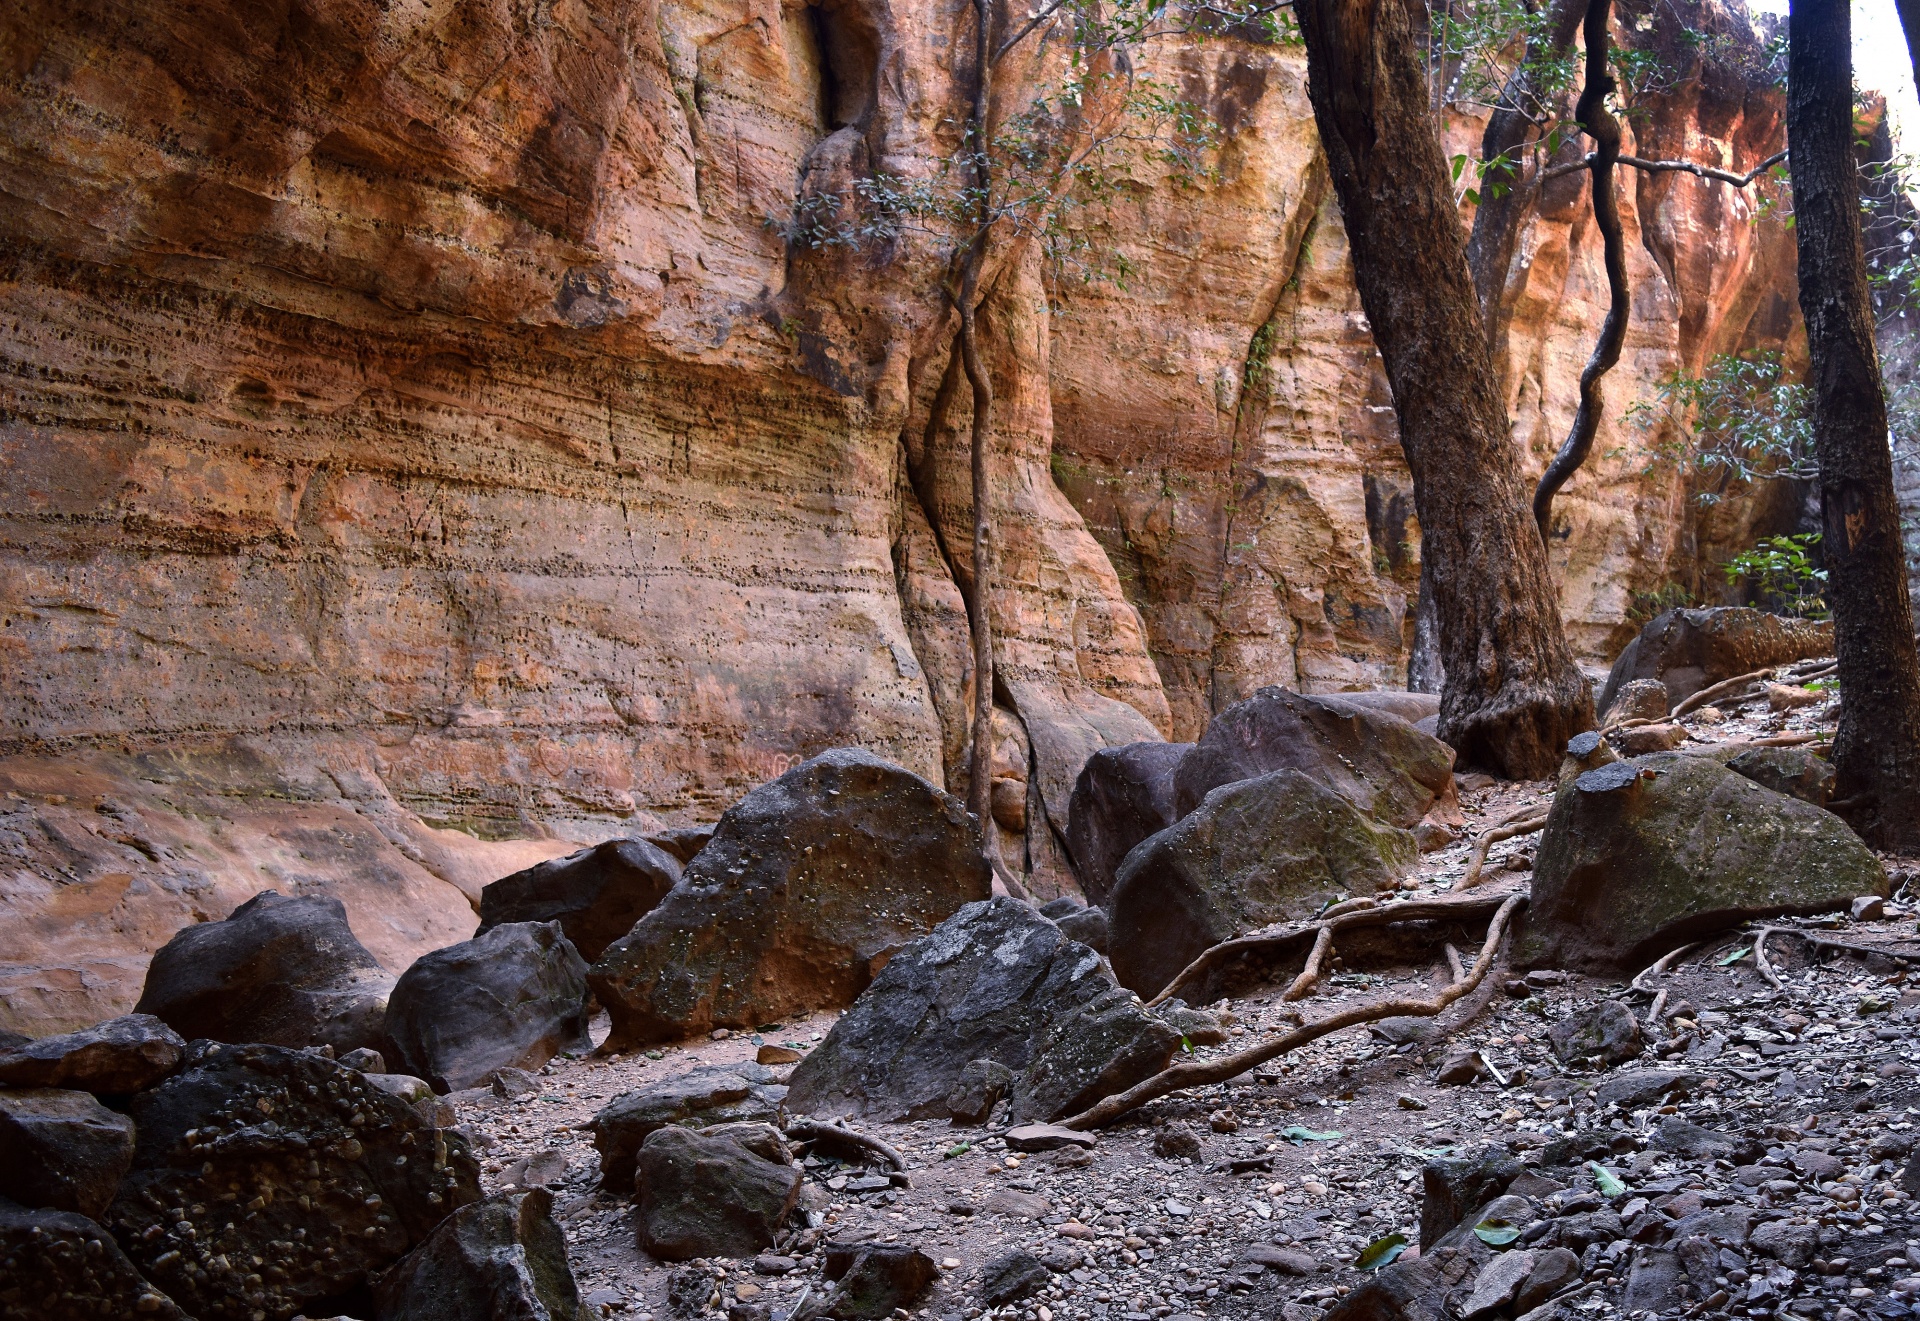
425	449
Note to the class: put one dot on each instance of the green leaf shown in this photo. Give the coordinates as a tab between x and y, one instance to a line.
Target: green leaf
1381	1252
1605	1179
1295	1133
1737	955
1459	167
1495	1232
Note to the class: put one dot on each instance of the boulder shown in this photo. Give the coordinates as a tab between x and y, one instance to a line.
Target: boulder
682	842
1122	795
809	884
500	1259
62	1150
1642	855
873	1279
1011	1277
1639	740
1088	926
287	972
1410	707
511	998
1607	1031
1795	772
1693	649
983	1084
1271	849
702	1195
260	1152
994	984
709	1096
59	1266
116	1058
596	895
1454	1185
1389	769
1641	699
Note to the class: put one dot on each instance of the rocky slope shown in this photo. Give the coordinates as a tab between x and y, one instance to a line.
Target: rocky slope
420	450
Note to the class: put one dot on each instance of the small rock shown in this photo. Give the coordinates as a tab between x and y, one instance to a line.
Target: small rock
705	1196
981	1085
1639	740
704	1097
1046	1137
1286	1261
771	1054
1796	772
1499	1280
1007	1201
1868	908
62	1149
366	1059
875	1279
1407	1101
1196	1027
1607	1030
1639	699
1176	1142
408	1088
1461	1065
1454	1185
511	1084
1009	1278
768	1263
1553	1270
116	1058
500	1258
1790	697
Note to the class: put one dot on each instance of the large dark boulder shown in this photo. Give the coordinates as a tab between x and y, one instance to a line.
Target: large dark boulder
596	895
1389	769
500	1259
1642	855
700	1098
1693	649
287	972
116	1058
58	1266
265	1179
874	1279
1122	796
809	883
61	1149
998	984
709	1196
1270	849
511	998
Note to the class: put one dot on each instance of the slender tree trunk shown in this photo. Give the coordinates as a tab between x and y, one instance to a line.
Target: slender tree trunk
1600	125
1910	24
1877	748
1513	694
1497	220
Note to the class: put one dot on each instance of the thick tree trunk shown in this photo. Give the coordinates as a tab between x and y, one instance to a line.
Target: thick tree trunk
1877	748
1513	694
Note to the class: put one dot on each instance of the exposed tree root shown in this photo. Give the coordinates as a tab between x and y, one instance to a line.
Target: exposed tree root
1760	958
1309	977
1339	918
1510	829
1721	689
843	1141
1200	1073
1819	941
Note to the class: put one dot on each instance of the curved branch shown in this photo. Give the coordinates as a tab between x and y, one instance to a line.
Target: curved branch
1200	1073
1671	167
845	1139
1604	129
1478	861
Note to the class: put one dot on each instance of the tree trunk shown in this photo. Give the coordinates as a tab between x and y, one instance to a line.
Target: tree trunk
1497	220
1910	24
1877	748
1513	695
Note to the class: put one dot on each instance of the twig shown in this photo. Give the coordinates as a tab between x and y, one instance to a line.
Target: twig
1478	861
1720	689
1199	1073
1671	167
1418	910
1661	964
832	1135
1653	1014
1453	962
1310	975
1760	958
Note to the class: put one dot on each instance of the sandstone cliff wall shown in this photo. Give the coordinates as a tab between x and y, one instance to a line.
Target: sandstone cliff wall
421	450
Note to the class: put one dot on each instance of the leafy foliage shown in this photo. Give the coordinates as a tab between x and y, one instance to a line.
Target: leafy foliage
1740	421
1784	575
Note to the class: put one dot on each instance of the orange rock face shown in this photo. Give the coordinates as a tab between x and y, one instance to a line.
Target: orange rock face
419	452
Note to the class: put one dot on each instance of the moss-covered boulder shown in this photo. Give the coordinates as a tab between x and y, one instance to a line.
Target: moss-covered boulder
1271	849
1645	854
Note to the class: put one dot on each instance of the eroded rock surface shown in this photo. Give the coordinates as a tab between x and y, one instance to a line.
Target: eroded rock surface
807	886
64	1267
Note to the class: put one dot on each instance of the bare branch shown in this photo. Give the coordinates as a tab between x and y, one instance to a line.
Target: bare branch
832	1136
1671	167
1310	975
1200	1073
1472	876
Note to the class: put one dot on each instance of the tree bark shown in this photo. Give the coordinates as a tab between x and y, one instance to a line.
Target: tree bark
1599	124
1513	694
1910	24
1876	749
